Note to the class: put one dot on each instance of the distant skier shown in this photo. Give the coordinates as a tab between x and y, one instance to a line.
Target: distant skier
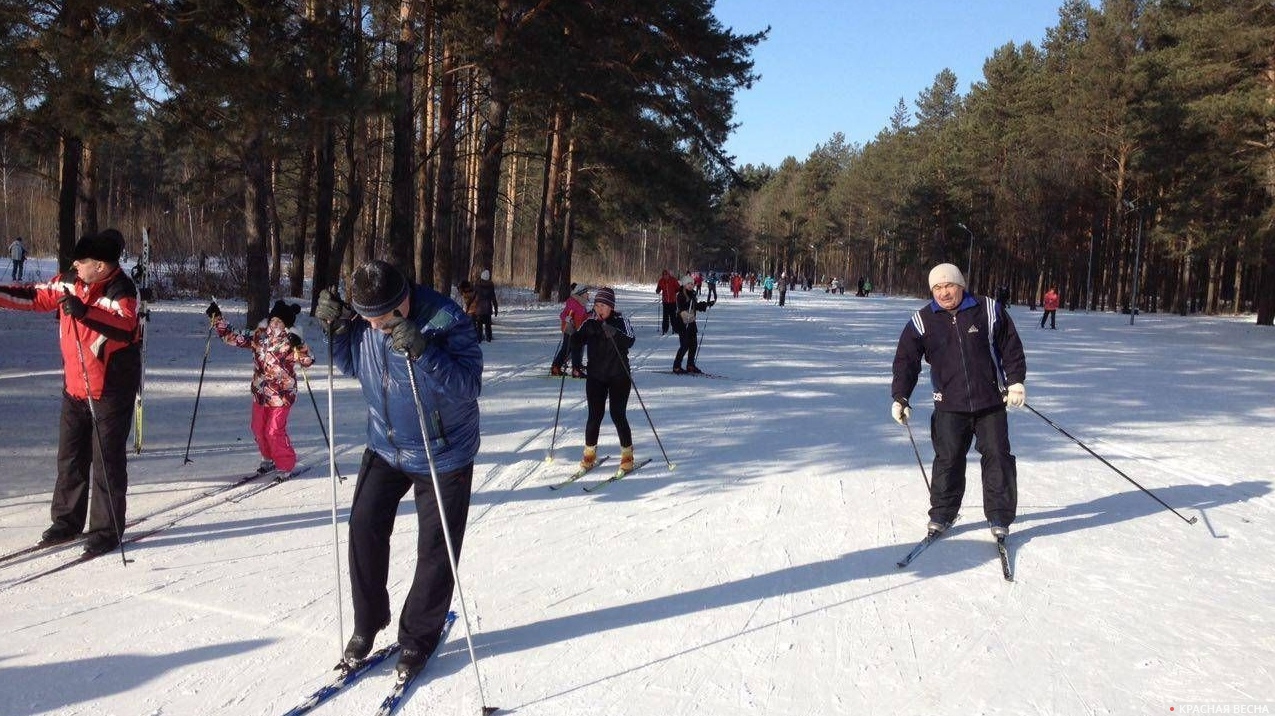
1050	304
18	257
973	350
485	304
684	324
573	316
667	287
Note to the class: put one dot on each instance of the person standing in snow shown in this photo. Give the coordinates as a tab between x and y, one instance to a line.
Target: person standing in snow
102	369
1050	304
973	351
573	316
485	304
389	328
18	257
684	325
608	336
667	287
277	350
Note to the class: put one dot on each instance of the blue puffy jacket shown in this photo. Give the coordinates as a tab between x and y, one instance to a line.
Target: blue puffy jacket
449	375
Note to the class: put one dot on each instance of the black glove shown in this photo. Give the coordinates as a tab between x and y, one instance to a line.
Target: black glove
294	340
213	312
608	330
332	312
74	307
701	306
406	337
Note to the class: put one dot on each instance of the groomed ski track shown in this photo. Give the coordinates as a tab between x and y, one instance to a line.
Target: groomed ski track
757	577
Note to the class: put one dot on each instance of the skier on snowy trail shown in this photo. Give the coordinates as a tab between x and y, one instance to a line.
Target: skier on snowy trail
973	351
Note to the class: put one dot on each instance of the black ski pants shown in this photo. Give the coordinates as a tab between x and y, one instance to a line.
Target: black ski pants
666	316
952	434
380	488
598	393
686	346
103	453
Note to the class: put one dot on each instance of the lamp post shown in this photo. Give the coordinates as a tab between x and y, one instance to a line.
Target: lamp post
969	265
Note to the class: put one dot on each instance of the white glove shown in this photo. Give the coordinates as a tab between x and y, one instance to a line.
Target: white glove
901	412
1016	395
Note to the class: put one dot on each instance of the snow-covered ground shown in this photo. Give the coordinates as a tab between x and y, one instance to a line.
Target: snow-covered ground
755	577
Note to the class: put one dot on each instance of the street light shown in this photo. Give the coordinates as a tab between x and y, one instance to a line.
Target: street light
1137	256
969	265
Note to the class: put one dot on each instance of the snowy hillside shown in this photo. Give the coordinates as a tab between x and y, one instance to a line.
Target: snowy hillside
756	577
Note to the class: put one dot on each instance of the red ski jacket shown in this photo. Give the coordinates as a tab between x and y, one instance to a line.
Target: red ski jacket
109	327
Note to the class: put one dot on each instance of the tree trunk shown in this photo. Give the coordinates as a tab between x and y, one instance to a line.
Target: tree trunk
68	195
256	226
424	253
326	270
296	270
550	213
445	195
402	168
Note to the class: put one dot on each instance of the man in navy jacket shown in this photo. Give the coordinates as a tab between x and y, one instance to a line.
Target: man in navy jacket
977	367
394	328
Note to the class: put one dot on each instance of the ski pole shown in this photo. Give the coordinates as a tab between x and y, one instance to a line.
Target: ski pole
919	464
97	437
641	402
562	386
700	343
319	416
447	533
336	531
1055	426
198	391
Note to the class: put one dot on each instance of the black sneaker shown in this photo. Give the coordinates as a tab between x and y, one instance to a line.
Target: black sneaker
58	533
100	542
358	647
679	370
410	662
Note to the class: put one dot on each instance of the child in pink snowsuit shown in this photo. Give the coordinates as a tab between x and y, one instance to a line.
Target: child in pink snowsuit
276	351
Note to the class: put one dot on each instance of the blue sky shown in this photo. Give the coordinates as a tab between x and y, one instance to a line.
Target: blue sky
841	65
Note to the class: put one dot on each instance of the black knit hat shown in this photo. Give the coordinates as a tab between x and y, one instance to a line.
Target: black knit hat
377	288
105	246
286	312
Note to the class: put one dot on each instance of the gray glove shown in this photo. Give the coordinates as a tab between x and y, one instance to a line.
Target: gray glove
406	338
332	312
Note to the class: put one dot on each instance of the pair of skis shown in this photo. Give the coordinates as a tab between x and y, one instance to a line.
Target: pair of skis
1002	550
618	475
349	673
133	537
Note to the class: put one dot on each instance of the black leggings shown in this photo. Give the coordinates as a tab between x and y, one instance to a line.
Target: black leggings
598	392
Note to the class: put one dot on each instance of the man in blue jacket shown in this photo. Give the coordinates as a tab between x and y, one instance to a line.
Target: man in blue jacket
977	367
396	327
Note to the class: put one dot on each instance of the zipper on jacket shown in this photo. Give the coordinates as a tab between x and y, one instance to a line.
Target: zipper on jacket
965	371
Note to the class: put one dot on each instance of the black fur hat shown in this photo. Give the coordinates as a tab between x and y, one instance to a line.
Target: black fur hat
286	312
105	246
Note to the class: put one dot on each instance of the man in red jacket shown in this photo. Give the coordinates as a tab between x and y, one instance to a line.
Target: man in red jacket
667	287
101	364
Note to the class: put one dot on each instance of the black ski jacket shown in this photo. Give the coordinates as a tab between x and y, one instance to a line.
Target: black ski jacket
608	356
973	354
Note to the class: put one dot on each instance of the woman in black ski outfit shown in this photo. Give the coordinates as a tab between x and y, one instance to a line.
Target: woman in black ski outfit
607	335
